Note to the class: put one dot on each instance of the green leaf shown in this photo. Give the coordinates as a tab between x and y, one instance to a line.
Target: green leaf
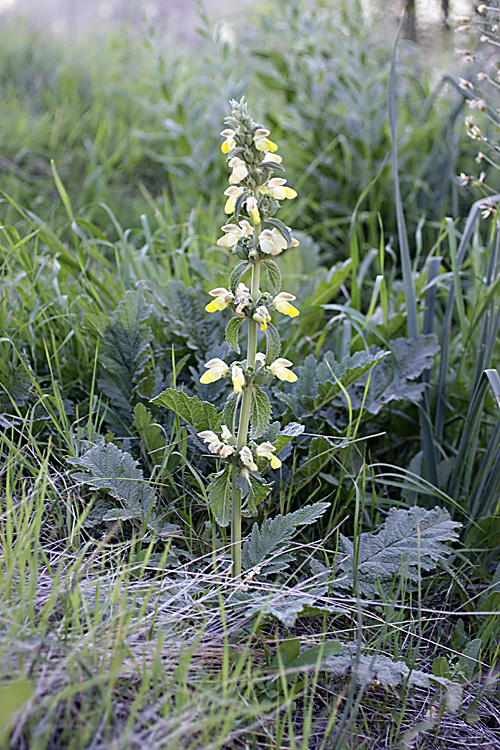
14	694
410	541
261	412
201	415
293	429
273	344
229	410
232	330
123	352
219	496
441	667
254	490
269	548
151	434
312	656
274	275
237	273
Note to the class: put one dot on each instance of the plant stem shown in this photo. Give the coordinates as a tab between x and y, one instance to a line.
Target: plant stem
246	406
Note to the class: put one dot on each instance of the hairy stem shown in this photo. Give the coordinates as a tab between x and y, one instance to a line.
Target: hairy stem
246	406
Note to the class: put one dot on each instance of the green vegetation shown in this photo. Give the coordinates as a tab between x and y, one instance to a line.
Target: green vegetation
367	611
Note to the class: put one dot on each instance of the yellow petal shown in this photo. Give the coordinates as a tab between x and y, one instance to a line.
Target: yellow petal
207	378
275	462
211	307
271	146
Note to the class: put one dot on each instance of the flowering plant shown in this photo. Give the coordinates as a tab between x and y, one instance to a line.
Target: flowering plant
256	237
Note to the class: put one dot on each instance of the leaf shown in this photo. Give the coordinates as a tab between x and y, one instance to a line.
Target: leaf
229	411
293	429
395	378
410	541
201	415
254	491
151	434
108	468
219	493
273	344
274	275
237	273
232	330
269	548
260	412
125	342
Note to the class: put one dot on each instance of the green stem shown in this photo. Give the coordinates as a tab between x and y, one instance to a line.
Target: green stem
246	406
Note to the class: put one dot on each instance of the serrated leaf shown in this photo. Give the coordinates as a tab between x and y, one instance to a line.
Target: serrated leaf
292	430
282	228
274	275
125	341
229	410
260	412
237	273
410	540
108	468
201	415
232	330
219	492
269	548
273	344
254	491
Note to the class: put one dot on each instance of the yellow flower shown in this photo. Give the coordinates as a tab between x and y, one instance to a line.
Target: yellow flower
261	316
262	142
238	378
247	458
272	241
276	158
212	439
252	208
216	369
266	450
279	368
222	299
229	143
233	193
282	304
240	170
278	189
234	233
241	299
226	433
226	451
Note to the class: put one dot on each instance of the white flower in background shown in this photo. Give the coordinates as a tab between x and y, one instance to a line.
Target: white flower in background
229	143
222	299
233	193
238	378
216	370
282	304
262	142
240	170
272	242
279	368
266	450
247	458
